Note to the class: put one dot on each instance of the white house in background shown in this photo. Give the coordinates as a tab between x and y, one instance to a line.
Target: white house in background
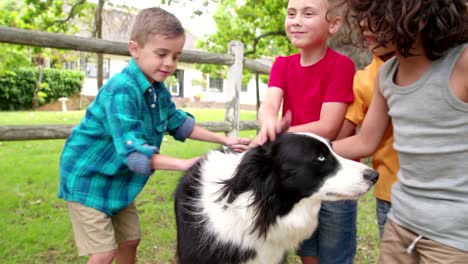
116	27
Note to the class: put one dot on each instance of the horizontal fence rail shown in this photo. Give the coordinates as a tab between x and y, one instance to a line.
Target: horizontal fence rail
61	41
39	132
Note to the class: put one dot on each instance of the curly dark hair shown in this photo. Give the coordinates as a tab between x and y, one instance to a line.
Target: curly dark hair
440	24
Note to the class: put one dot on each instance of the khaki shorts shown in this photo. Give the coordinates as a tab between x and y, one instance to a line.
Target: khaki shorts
396	239
96	232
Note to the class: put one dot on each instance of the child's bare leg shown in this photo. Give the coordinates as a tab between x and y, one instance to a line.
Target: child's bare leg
102	258
126	252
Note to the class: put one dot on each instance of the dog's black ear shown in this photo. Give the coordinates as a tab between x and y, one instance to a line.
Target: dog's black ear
257	173
253	171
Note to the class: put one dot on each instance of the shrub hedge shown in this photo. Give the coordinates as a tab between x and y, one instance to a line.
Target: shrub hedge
17	87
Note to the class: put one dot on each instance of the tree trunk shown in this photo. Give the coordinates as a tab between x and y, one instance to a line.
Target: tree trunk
98	34
257	92
100	70
35	99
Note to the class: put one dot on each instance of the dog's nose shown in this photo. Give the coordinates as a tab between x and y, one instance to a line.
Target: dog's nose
371	175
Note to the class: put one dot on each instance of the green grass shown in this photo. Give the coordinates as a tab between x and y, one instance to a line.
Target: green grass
34	223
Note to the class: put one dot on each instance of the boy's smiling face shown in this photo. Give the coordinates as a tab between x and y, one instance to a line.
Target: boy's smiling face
307	25
158	57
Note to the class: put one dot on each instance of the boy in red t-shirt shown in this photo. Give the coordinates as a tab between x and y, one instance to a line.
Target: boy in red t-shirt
315	85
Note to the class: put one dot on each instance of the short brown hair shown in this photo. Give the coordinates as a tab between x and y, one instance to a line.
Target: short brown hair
153	21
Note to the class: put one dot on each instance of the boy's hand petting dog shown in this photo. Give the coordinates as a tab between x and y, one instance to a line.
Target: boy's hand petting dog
237	144
188	163
270	130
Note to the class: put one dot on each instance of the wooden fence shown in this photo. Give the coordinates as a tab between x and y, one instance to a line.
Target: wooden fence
234	59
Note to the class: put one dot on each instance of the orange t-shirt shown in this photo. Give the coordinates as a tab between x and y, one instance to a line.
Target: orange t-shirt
385	158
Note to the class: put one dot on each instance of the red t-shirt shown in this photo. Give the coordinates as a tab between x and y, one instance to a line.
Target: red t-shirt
307	88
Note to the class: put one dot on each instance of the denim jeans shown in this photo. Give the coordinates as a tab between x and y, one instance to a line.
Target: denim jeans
334	241
382	208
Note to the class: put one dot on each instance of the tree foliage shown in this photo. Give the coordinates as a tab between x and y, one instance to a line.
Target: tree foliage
259	24
53	15
42	15
198	11
12	56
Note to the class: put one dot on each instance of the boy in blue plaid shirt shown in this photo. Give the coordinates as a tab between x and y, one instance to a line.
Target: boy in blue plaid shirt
109	157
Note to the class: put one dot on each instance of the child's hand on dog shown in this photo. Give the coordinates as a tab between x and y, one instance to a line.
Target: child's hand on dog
272	129
237	144
188	163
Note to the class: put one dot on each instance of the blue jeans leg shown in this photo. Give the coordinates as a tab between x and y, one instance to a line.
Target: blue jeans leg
334	241
382	208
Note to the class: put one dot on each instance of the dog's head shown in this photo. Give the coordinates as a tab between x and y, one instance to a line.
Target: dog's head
310	167
293	167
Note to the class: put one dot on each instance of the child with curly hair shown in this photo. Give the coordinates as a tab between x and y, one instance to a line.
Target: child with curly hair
423	90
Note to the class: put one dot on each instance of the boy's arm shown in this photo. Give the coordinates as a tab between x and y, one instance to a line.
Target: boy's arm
459	77
329	124
347	129
162	162
363	86
268	115
371	132
237	144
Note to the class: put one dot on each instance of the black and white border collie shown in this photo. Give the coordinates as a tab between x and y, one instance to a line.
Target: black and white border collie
255	206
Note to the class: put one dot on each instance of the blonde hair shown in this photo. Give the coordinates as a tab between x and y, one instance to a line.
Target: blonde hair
153	21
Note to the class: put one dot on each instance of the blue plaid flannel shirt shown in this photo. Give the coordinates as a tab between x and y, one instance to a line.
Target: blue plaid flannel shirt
106	160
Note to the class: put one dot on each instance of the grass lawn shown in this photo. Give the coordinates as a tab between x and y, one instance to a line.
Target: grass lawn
35	225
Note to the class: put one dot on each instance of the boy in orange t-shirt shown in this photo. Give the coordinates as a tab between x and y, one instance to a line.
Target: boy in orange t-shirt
384	159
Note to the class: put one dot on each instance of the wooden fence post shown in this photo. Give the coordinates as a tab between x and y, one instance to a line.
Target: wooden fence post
234	80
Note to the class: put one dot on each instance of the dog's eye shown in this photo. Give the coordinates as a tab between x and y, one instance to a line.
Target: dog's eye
321	158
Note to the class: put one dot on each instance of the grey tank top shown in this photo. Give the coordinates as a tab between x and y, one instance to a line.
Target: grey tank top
430	127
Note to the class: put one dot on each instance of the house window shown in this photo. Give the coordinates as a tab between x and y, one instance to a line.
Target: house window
244	88
172	85
70	65
216	85
106	68
90	67
175	83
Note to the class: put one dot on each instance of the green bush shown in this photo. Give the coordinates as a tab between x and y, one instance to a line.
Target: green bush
17	87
